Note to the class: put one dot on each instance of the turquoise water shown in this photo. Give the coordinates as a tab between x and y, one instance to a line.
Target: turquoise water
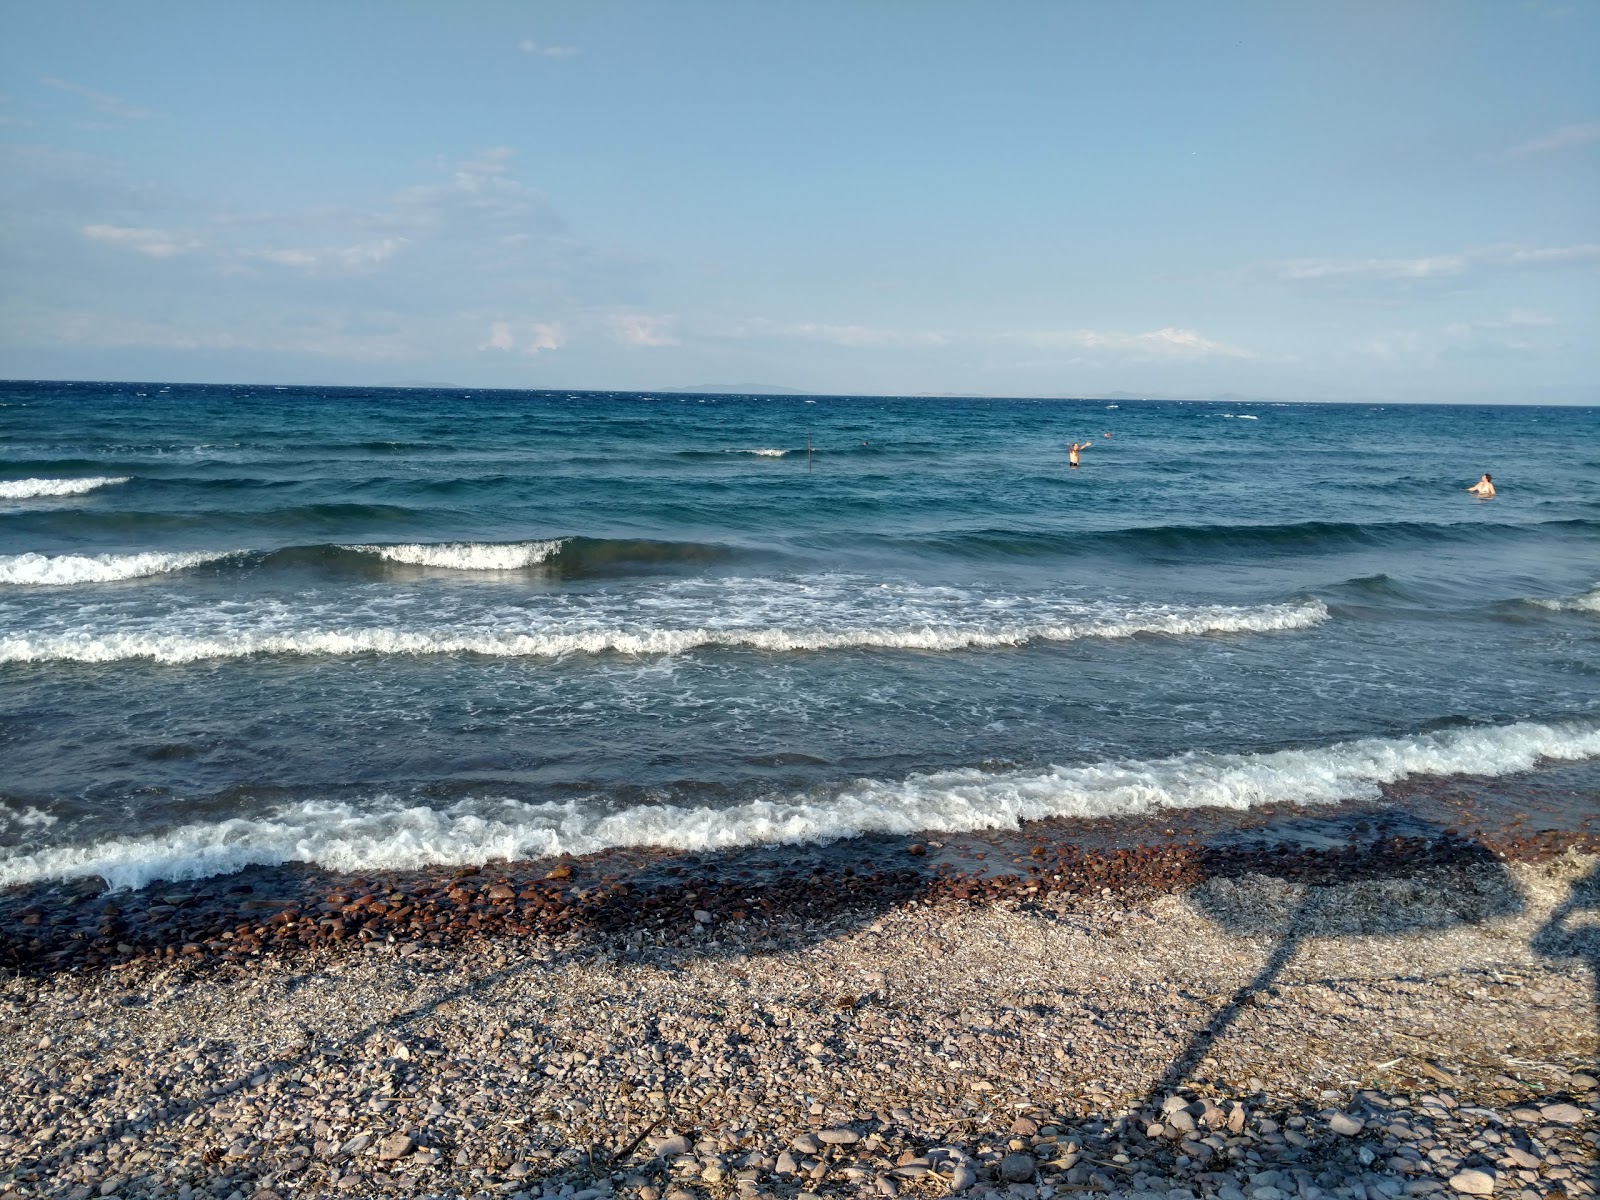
395	627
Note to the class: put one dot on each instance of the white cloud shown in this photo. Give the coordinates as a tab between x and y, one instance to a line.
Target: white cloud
636	329
363	256
105	102
1334	271
156	243
529	46
836	335
1167	342
1560	139
541	336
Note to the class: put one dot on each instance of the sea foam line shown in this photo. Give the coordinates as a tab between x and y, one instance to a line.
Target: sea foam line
466	556
500	643
27	489
391	836
59	569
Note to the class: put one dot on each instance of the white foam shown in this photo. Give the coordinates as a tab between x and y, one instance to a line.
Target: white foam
467	556
766	453
60	569
27	489
1588	602
568	629
387	835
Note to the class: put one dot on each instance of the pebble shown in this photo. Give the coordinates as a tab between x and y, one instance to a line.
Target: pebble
1344	1124
839	1137
1473	1182
1017	1168
1561	1114
396	1145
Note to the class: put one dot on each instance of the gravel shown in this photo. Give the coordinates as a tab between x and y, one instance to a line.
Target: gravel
1246	1038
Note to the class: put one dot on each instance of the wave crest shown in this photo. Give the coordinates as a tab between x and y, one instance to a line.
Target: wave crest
557	640
1588	602
27	489
390	836
63	569
466	556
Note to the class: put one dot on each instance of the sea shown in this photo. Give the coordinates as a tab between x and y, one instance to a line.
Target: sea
385	629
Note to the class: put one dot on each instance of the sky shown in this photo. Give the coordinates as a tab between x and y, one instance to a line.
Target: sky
1355	201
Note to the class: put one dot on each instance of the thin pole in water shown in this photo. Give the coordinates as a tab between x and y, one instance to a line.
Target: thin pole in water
808	452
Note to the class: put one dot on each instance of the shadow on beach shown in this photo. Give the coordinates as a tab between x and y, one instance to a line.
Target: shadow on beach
1573	932
1482	890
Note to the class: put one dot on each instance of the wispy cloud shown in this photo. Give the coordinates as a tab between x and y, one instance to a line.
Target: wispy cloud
155	243
836	335
636	329
364	256
484	185
529	46
104	102
1432	268
540	336
1167	342
1560	139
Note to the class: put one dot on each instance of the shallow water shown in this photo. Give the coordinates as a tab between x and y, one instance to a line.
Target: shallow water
371	628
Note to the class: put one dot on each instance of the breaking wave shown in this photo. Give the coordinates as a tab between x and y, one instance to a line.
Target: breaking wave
27	489
750	614
61	569
1588	602
466	556
389	835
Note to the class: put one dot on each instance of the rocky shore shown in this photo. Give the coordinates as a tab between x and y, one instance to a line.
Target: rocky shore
1347	1027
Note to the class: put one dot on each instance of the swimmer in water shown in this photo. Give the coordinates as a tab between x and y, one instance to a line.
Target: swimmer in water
1108	435
1072	451
1484	487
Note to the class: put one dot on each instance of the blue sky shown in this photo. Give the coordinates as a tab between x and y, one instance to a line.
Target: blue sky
1397	201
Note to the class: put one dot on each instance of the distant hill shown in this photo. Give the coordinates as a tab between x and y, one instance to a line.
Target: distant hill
737	389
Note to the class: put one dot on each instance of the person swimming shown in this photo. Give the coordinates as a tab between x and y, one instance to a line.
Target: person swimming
1072	451
1484	487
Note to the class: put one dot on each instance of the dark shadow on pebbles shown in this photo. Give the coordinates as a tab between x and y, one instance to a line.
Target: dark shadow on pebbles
1479	889
1573	932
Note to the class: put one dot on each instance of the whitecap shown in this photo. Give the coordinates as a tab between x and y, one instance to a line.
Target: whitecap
466	556
27	489
63	569
1588	602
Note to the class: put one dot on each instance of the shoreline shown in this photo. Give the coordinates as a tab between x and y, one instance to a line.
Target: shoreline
75	924
1357	1038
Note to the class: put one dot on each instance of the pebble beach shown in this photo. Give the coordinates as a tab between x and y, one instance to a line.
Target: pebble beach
1403	1031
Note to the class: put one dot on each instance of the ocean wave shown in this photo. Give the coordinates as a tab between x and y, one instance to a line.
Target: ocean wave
466	556
387	835
61	569
1588	602
27	489
569	630
1301	537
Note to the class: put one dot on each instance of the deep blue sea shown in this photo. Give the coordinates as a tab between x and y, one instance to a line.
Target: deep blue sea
380	628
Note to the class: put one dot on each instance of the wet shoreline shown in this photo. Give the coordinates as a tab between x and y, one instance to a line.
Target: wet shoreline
666	896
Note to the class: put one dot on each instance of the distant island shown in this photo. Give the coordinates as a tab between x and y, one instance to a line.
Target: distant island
739	389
